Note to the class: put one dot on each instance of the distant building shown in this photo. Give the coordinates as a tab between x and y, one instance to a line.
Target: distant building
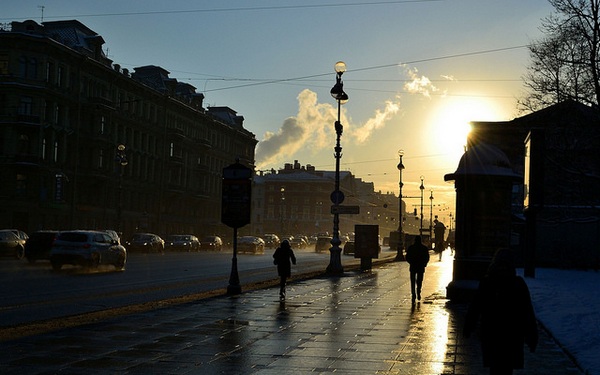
561	167
64	109
297	200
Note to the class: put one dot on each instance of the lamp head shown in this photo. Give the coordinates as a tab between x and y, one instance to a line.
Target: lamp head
340	67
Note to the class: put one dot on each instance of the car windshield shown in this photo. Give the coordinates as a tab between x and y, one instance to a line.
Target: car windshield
72	237
7	235
141	237
178	238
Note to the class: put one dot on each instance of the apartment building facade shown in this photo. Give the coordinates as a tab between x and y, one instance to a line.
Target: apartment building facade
85	143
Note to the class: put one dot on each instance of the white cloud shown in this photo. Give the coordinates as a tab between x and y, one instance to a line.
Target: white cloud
419	84
311	130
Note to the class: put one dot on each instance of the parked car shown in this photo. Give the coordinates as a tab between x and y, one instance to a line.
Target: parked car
11	244
271	240
323	244
349	248
182	242
146	243
214	243
88	248
114	235
298	243
39	244
251	244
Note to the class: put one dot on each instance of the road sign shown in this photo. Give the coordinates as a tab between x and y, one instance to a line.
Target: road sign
337	197
345	210
236	195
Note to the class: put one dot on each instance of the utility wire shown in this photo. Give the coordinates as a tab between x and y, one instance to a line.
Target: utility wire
466	54
238	9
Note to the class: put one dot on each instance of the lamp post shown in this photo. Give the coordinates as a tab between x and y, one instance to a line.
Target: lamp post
400	245
121	158
337	197
430	217
282	190
422	187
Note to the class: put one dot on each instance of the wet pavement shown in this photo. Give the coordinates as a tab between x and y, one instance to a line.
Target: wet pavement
359	323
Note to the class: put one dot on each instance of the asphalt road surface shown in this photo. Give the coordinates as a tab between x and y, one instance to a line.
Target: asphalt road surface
34	293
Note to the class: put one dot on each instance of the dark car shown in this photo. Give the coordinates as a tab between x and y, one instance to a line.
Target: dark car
298	243
349	248
271	240
11	244
146	243
251	244
87	248
214	243
39	244
182	242
323	244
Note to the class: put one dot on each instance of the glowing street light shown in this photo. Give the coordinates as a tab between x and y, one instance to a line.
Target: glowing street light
337	197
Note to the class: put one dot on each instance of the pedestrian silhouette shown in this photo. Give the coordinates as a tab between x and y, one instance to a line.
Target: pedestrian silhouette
503	306
417	256
439	229
283	257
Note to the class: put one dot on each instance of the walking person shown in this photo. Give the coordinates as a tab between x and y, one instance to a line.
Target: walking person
503	306
439	230
417	256
283	257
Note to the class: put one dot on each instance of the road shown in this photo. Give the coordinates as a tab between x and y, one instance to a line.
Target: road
35	293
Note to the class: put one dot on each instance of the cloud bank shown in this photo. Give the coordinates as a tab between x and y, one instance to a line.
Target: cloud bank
307	129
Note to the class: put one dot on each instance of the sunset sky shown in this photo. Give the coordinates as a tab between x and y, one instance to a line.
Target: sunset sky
418	71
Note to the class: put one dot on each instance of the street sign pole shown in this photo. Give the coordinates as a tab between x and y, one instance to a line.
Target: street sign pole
235	211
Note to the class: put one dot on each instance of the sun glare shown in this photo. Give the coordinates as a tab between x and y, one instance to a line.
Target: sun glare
451	122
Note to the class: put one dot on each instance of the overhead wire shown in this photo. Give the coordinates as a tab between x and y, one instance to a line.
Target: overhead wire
236	9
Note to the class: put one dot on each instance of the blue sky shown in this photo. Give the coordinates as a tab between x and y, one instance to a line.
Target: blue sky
418	71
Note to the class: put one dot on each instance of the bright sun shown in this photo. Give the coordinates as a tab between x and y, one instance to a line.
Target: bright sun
450	122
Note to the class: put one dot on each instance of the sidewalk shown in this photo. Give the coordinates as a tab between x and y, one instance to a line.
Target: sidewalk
360	323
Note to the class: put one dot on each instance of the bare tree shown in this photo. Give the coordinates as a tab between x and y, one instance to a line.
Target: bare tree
565	62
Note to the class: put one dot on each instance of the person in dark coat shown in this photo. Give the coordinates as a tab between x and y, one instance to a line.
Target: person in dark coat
417	256
282	257
503	305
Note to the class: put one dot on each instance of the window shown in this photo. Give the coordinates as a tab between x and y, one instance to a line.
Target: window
60	76
102	124
55	152
23	145
50	72
25	105
3	64
23	67
21	188
32	69
101	159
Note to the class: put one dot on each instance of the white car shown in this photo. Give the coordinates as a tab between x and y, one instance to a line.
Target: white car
88	249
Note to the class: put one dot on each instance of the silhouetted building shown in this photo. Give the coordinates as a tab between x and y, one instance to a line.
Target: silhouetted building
561	166
64	109
297	200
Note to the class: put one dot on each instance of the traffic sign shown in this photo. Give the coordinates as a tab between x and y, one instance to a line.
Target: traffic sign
337	197
236	195
345	210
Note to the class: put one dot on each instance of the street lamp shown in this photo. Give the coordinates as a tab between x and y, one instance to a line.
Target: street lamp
337	197
400	245
121	158
422	187
430	217
282	190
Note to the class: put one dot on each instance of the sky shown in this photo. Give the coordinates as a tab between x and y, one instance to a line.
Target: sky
417	72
